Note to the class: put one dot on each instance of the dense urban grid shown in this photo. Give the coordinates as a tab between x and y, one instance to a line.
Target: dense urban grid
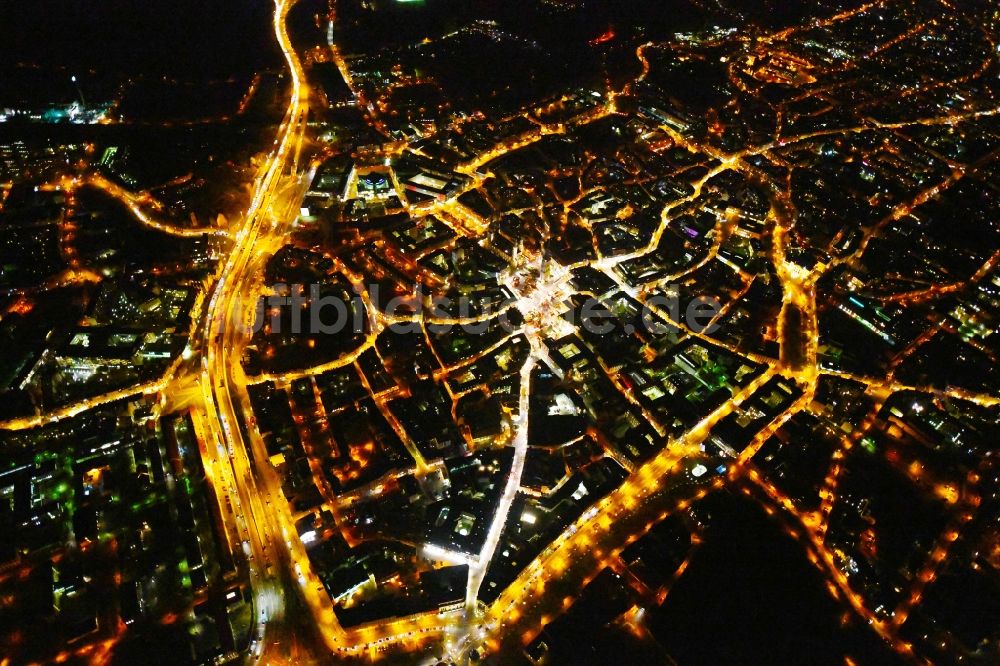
537	332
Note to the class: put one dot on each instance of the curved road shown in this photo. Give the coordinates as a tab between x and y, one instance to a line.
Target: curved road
239	464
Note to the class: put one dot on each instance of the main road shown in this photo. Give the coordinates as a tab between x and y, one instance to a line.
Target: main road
235	456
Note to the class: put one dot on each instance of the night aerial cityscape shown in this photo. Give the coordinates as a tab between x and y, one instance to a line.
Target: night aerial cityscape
506	332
